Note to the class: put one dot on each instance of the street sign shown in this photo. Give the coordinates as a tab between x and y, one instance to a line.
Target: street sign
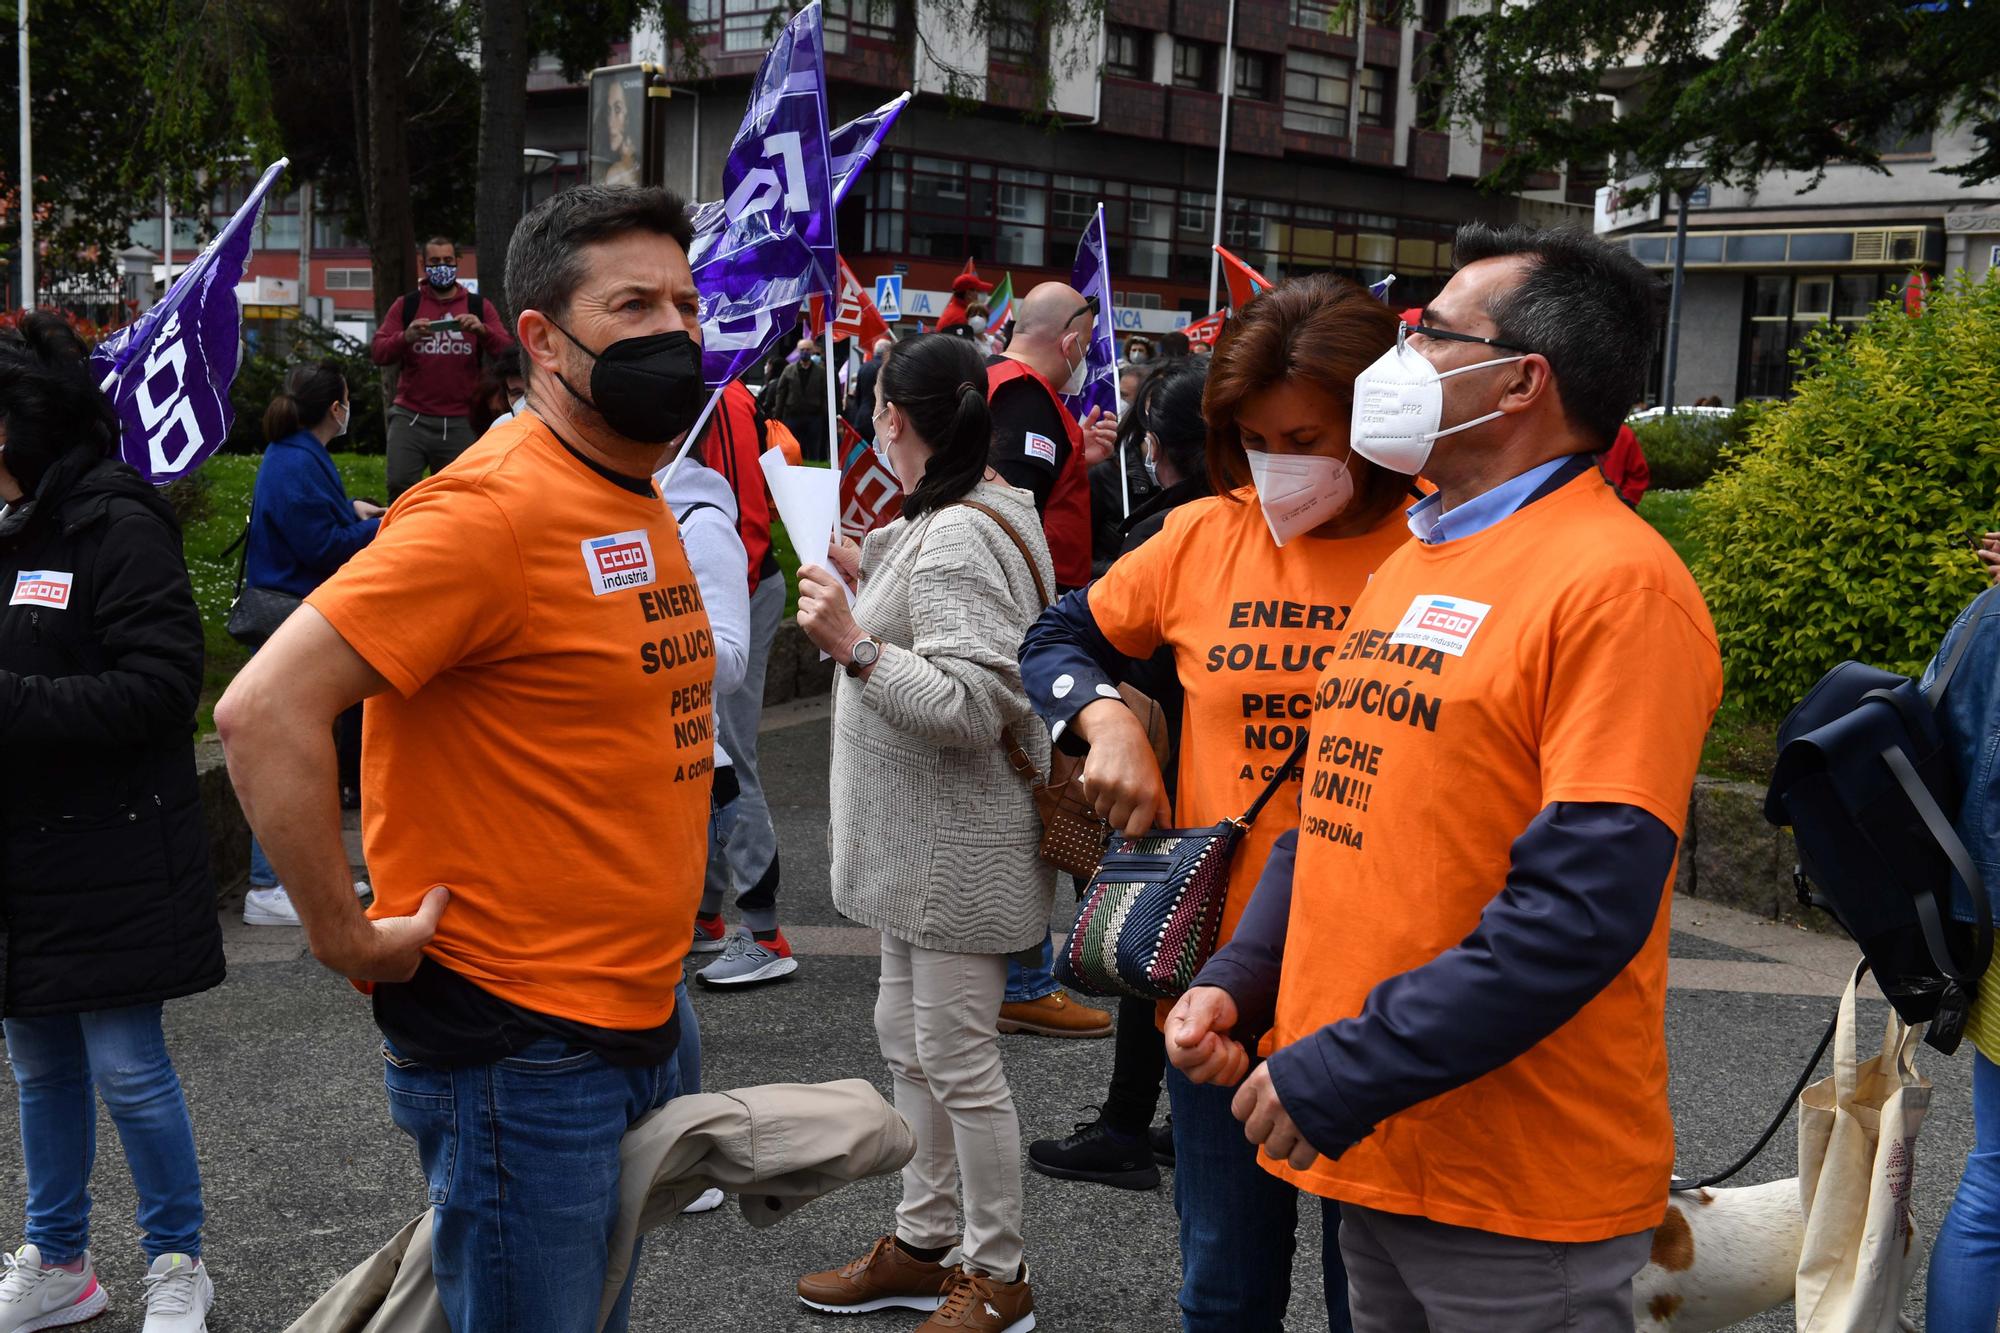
1698	197
889	296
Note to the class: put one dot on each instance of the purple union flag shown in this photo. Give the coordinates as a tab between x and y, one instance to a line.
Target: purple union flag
168	372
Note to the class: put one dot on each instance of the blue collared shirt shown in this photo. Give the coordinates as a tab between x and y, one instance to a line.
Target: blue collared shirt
1481	511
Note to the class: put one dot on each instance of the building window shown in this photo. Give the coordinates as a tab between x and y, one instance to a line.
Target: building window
1336	18
872	20
1378	97
1127	53
1317	91
1784	311
948	208
1253	76
740	23
1436	13
350	279
1194	64
1015	37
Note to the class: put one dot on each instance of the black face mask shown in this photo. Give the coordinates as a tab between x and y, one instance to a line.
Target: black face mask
648	388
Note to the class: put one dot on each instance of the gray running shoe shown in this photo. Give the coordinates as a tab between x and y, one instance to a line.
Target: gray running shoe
749	961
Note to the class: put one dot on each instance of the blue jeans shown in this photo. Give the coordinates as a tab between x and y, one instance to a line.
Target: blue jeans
1964	1291
522	1161
1237	1223
262	875
687	1055
1027	982
124	1054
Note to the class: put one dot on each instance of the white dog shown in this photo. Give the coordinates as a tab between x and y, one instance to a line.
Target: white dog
1720	1257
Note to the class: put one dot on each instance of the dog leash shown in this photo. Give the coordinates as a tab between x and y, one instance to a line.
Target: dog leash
1784	1109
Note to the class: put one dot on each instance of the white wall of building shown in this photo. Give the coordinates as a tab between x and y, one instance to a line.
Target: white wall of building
945	49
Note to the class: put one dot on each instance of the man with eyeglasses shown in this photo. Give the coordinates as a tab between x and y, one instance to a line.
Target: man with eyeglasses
1466	997
1040	447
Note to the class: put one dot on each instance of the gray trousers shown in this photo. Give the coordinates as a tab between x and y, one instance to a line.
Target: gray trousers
1410	1274
747	860
422	444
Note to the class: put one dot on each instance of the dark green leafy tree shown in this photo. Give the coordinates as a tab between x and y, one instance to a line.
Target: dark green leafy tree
1742	89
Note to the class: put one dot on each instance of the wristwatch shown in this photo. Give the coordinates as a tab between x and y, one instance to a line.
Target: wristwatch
863	655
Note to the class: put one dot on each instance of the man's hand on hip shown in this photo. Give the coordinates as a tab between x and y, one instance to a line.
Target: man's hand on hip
388	949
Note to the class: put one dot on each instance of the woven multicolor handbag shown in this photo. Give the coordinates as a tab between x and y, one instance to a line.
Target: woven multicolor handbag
1150	917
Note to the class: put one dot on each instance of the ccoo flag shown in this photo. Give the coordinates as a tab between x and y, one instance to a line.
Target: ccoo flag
770	243
1092	277
168	372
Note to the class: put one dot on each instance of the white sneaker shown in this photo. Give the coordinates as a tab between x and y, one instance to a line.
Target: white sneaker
273	907
33	1297
178	1295
269	907
709	1201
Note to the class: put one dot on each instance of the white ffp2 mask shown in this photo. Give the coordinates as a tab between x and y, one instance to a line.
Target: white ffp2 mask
1399	408
1298	491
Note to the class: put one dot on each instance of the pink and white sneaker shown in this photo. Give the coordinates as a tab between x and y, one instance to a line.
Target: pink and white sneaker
34	1297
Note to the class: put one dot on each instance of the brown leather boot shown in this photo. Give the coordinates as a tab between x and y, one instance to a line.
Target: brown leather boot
976	1303
1055	1016
886	1277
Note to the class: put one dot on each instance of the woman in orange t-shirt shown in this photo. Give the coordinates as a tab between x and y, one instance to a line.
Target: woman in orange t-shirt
1250	590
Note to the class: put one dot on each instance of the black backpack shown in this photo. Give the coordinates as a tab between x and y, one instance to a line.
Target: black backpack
474	302
1865	780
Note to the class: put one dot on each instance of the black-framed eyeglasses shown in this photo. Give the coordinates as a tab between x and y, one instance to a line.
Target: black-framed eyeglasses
1405	330
1089	307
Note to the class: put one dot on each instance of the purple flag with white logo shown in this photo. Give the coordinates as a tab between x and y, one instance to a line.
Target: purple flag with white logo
770	243
1092	278
168	372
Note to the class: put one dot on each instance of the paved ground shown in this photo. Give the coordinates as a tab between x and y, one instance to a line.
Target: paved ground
305	1175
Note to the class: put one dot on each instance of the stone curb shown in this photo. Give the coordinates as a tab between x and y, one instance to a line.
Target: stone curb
1731	855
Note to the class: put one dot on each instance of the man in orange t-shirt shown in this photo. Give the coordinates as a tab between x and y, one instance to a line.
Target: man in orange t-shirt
537	665
1461	956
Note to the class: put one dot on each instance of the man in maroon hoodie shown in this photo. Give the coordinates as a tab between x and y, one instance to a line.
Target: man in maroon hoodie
437	335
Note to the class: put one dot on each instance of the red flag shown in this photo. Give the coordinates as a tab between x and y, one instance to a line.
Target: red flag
1203	332
869	494
1244	281
857	316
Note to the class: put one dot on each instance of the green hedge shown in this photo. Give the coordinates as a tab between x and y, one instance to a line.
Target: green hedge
1840	528
1685	450
263	373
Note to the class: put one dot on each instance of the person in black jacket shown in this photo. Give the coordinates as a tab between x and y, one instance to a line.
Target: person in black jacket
105	890
1121	1147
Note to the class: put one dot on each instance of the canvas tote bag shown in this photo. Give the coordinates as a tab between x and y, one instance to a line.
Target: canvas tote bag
1857	1155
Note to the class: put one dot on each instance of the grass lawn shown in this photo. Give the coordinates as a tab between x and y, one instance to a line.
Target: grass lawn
230	479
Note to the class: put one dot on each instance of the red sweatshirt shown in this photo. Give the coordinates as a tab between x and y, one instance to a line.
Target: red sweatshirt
441	369
1624	465
730	445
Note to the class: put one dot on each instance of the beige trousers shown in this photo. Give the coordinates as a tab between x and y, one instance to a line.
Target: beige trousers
937	1017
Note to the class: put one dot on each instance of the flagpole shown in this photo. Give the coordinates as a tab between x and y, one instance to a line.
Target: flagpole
1222	149
27	174
694	433
832	413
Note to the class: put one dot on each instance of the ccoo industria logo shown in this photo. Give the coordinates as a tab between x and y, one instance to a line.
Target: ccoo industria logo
622	560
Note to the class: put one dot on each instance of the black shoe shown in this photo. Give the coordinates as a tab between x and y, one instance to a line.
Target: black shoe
1094	1154
1162	1140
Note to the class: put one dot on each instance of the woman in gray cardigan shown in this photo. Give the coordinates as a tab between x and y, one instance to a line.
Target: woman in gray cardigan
934	834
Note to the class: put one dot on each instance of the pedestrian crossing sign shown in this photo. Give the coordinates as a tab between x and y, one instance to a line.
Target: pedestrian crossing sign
889	296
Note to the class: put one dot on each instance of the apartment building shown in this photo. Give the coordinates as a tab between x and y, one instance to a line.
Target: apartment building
1019	130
